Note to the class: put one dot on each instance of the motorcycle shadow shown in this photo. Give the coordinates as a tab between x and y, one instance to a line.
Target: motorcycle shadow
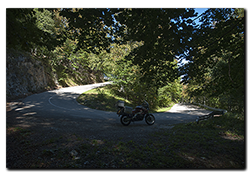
133	125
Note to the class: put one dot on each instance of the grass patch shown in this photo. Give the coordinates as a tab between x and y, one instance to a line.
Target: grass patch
103	99
165	109
215	143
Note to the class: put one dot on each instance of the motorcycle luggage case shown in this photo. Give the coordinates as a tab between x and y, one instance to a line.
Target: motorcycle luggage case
128	110
120	104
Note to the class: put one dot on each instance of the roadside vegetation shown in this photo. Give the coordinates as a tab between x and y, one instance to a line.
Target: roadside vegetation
215	143
105	98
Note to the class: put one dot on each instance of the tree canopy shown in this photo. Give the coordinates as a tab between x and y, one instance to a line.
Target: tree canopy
162	31
218	57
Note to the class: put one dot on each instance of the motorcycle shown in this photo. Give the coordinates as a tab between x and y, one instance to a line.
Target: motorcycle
128	114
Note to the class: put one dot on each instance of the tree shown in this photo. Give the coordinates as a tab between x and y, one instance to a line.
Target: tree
165	33
218	58
162	33
24	33
95	29
172	92
219	32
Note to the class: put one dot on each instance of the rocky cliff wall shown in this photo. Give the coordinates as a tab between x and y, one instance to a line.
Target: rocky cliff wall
24	75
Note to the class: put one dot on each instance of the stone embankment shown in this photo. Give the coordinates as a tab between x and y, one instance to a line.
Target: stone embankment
24	75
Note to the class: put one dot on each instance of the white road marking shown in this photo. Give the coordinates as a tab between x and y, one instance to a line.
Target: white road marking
77	89
56	105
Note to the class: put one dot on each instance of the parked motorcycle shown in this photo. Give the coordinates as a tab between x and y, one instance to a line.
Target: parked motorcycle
128	114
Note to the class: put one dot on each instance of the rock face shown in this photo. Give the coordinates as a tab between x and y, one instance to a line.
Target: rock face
24	75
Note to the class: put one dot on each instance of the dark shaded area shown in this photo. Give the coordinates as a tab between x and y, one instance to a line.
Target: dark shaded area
46	142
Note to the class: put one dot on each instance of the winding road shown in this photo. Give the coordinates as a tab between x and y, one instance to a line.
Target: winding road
63	113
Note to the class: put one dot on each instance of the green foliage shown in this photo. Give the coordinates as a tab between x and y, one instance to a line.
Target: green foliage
138	49
162	31
164	34
95	29
217	62
85	46
24	29
44	20
101	99
169	93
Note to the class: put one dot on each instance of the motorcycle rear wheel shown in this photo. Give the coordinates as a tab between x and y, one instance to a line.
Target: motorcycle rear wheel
125	120
150	119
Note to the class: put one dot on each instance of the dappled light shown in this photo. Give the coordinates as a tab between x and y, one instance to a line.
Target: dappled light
188	67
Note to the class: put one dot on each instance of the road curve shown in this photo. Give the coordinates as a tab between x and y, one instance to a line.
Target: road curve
60	106
61	102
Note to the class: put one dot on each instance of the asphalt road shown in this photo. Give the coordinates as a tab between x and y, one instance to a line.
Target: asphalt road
62	103
57	112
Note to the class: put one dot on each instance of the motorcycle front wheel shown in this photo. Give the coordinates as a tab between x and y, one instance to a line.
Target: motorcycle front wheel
150	119
125	120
